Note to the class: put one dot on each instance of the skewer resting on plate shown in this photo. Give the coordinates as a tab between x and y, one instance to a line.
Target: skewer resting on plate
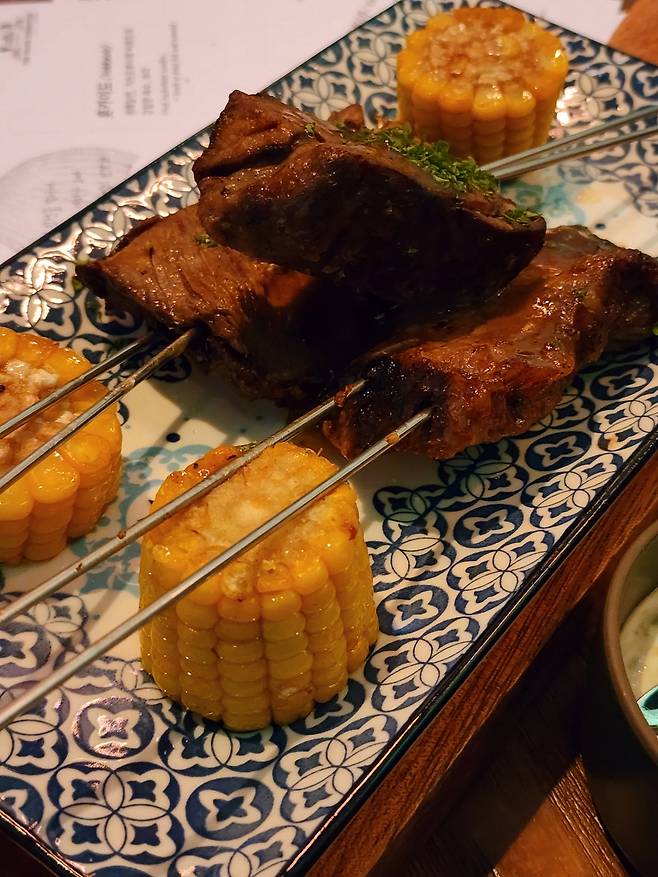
143	525
130	625
558	150
505	168
174	348
520	163
65	390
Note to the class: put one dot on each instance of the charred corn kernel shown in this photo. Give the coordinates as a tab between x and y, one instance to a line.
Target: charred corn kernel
275	631
472	72
64	495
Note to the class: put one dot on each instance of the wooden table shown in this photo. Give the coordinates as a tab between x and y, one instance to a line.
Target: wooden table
495	786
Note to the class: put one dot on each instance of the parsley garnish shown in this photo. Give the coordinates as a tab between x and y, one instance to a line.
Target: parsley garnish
461	174
519	215
310	129
204	240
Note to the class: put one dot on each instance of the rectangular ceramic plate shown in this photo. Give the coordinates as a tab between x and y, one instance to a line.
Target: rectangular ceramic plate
108	776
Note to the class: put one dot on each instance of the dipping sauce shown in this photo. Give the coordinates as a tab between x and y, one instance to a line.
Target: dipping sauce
639	645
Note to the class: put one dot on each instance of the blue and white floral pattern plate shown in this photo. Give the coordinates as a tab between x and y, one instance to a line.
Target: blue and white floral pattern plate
108	776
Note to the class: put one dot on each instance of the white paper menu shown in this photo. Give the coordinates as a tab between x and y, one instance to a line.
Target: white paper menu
92	90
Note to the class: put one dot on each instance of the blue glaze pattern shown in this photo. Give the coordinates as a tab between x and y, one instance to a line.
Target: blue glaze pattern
114	777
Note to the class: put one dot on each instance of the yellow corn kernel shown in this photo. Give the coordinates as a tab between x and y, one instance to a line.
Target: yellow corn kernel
328	657
474	67
278	630
308	573
240	653
263	639
211	708
286	648
63	496
8	343
237	631
195	615
296	706
282	688
200	671
246	688
243	672
251	703
318	642
201	639
241	611
323	619
32	349
189	652
331	675
276	607
16	504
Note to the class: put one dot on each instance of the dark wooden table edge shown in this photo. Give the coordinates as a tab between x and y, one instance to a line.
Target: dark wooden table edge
417	793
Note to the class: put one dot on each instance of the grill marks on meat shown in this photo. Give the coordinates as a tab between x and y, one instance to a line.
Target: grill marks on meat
276	334
285	187
495	372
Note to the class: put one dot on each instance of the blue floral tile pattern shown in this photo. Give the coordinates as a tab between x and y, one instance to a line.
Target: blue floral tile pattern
112	775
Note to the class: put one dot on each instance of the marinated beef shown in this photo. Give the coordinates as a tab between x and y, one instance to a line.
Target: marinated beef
285	187
494	372
276	334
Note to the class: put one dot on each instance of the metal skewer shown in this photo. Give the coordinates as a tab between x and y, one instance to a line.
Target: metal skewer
521	166
143	525
584	134
533	159
130	625
505	168
176	347
66	389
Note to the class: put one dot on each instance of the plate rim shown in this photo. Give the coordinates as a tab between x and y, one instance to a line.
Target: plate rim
331	826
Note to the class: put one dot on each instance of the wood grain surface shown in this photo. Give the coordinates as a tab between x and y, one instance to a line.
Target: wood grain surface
530	811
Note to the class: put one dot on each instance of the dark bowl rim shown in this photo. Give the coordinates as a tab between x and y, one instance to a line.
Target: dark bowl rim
647	738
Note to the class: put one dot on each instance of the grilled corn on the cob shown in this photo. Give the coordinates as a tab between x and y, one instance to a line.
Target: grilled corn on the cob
484	80
281	627
65	494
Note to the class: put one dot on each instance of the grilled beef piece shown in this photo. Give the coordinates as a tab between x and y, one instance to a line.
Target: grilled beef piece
283	186
276	334
495	372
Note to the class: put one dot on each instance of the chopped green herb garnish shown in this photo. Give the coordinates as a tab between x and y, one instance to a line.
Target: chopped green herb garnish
77	285
310	129
519	215
204	240
461	174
